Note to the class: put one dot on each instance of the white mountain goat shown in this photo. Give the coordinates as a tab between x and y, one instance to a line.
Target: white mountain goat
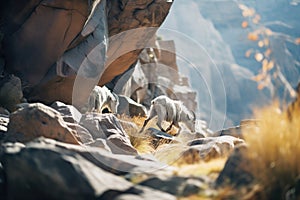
102	98
172	111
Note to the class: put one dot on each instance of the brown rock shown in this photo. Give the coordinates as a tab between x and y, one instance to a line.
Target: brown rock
48	25
37	33
236	170
210	148
35	120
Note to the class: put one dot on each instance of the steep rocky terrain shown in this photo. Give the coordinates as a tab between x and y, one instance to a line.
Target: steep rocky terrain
53	53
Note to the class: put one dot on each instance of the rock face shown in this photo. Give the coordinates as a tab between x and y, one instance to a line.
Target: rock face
55	29
35	120
107	126
72	172
156	73
130	108
83	23
70	176
69	113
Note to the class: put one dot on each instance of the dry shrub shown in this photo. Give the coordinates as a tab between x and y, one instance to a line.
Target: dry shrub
274	150
141	142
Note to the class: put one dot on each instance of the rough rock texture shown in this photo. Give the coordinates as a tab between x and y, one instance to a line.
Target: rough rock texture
53	37
114	163
156	74
32	171
35	120
176	185
129	15
72	118
210	147
129	107
107	126
55	25
99	143
69	112
235	171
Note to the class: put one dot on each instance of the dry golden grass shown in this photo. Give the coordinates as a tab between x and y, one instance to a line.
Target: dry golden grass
212	168
274	150
141	142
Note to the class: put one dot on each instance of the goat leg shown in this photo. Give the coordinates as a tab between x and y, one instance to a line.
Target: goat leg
169	128
144	125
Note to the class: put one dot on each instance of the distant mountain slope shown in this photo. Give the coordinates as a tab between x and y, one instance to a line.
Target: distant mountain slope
211	46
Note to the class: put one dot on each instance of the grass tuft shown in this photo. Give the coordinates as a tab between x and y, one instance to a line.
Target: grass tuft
274	150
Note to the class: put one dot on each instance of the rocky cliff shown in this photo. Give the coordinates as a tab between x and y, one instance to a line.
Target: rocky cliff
39	38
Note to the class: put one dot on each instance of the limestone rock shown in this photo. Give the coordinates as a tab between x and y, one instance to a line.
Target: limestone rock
99	143
114	163
107	126
129	107
210	148
35	120
81	133
72	117
32	170
69	112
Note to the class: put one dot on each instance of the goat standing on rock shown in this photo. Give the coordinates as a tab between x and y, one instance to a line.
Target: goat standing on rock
172	111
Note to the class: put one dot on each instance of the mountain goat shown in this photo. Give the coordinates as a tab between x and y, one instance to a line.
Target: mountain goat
102	98
172	111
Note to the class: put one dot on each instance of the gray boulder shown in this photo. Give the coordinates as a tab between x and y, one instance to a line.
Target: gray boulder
210	148
108	127
99	143
131	108
113	163
45	172
72	117
69	112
